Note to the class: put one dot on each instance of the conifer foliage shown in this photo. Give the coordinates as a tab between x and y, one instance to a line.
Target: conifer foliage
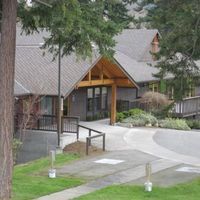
178	21
77	25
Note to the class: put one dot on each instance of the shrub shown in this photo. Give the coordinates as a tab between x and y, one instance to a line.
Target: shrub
125	113
136	111
156	103
134	121
141	119
193	123
148	118
120	116
170	123
164	112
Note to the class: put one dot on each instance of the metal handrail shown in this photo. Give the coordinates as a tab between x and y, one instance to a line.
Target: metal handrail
90	137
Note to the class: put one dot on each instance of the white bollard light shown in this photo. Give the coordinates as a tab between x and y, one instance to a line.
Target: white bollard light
148	184
52	171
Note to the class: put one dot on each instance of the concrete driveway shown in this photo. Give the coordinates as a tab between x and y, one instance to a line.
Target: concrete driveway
128	151
175	145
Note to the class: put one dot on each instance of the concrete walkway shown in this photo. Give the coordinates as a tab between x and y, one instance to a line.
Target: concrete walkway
133	148
120	177
153	141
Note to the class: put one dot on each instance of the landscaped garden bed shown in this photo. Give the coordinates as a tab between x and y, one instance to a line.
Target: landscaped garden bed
139	118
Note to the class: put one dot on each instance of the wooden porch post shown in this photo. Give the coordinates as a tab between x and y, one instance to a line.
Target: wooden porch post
113	105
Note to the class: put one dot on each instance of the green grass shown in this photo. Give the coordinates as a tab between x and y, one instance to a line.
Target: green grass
187	191
31	180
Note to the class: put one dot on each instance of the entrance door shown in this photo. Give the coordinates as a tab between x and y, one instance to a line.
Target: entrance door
97	103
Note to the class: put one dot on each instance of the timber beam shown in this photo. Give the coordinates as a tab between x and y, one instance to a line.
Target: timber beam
119	82
95	83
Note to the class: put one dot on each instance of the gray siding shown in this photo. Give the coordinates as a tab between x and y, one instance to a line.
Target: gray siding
142	89
126	94
78	103
197	91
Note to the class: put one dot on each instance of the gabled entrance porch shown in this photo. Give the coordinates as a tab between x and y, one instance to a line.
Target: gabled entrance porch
95	96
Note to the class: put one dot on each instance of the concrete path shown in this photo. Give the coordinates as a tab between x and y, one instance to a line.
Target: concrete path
115	177
181	146
134	147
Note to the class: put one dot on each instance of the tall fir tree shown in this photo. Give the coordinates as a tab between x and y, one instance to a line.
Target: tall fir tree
74	24
178	21
77	24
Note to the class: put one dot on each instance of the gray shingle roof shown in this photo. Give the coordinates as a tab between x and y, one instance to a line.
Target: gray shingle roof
136	43
20	89
31	40
139	71
38	74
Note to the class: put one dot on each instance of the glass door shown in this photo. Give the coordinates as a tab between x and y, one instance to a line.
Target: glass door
97	103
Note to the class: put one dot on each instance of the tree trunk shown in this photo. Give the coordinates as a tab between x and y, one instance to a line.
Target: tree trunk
7	63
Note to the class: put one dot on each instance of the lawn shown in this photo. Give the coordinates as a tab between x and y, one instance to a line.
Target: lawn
31	180
187	191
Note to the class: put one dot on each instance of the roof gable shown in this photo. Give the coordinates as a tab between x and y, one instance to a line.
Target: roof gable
136	43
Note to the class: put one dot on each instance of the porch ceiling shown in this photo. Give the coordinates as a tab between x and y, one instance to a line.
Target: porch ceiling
106	72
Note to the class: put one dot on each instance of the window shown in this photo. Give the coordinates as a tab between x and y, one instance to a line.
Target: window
90	99
104	98
191	91
97	99
46	105
154	87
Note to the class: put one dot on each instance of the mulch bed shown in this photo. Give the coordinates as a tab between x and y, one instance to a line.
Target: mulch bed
80	148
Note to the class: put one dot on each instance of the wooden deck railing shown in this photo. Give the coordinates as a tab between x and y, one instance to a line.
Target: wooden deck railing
187	107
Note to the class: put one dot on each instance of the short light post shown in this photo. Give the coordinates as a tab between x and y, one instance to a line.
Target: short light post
52	171
148	184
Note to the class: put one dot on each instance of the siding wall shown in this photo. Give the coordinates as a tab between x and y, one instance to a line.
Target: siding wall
125	94
197	91
143	88
78	99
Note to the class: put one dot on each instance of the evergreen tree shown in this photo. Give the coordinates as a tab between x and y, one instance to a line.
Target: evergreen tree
178	21
7	61
75	25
